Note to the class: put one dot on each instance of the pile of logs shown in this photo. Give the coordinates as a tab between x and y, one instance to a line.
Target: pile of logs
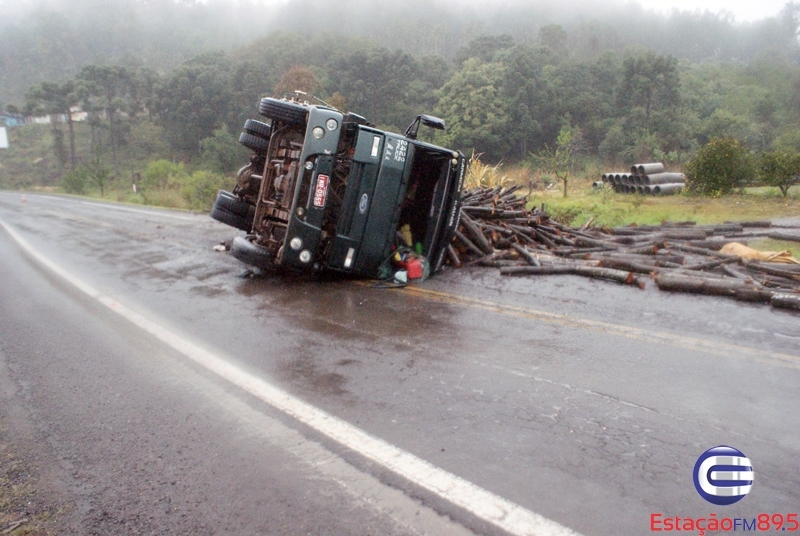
647	179
496	230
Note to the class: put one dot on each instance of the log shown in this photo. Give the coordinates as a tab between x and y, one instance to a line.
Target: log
467	242
533	261
755	265
494	213
757	223
619	264
735	273
588	271
786	301
688	234
453	256
715	243
711	264
753	295
699	251
700	285
784	236
476	234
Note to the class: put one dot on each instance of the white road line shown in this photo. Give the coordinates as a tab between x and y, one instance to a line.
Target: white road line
108	206
138	211
481	503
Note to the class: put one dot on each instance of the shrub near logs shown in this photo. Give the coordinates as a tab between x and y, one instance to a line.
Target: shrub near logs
497	231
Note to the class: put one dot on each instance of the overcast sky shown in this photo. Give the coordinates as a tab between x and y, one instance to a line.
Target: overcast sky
744	10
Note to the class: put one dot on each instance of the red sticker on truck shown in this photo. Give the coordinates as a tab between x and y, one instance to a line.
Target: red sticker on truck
321	192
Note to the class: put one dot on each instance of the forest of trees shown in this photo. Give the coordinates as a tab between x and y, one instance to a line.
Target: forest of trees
506	83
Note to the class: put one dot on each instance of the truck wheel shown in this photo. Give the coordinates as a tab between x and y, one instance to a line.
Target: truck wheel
228	209
288	112
254	143
231	203
257	128
243	223
251	253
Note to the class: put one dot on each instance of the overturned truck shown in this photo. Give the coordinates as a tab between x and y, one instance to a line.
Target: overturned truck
325	190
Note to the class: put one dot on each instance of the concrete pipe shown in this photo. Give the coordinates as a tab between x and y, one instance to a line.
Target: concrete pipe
663	178
598	184
639	189
667	189
649	169
648	190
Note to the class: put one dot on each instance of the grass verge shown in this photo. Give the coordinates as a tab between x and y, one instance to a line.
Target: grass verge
607	208
23	511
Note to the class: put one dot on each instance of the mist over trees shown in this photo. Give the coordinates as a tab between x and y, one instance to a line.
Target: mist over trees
508	79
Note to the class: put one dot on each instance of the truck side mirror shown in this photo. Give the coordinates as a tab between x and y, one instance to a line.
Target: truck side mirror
427	120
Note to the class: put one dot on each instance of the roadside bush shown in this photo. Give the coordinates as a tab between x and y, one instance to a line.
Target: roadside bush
719	166
162	175
200	189
75	181
779	168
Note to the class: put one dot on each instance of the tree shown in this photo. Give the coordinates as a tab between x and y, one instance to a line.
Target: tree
297	79
194	100
554	37
719	166
474	110
780	168
105	90
651	82
221	152
55	98
559	160
484	47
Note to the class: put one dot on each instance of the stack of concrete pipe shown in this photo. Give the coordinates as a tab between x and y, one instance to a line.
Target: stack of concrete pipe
646	179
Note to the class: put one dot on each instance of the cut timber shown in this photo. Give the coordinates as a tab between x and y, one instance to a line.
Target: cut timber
620	276
700	285
786	301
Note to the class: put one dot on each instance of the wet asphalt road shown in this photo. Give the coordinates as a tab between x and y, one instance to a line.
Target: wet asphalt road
582	401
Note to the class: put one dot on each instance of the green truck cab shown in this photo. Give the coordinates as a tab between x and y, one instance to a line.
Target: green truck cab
329	191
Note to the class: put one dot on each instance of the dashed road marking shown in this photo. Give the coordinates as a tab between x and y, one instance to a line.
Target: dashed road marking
692	343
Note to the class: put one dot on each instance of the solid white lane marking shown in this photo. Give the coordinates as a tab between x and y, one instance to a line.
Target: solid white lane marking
108	206
140	211
481	503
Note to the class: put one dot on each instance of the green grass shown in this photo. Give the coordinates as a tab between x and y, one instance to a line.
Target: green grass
611	209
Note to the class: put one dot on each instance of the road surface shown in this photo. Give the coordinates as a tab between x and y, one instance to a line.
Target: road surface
160	389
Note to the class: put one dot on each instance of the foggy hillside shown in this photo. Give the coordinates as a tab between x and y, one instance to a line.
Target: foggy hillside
52	40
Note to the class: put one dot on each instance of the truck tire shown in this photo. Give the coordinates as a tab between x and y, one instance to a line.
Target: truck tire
229	218
232	203
255	143
230	210
251	253
288	112
257	128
